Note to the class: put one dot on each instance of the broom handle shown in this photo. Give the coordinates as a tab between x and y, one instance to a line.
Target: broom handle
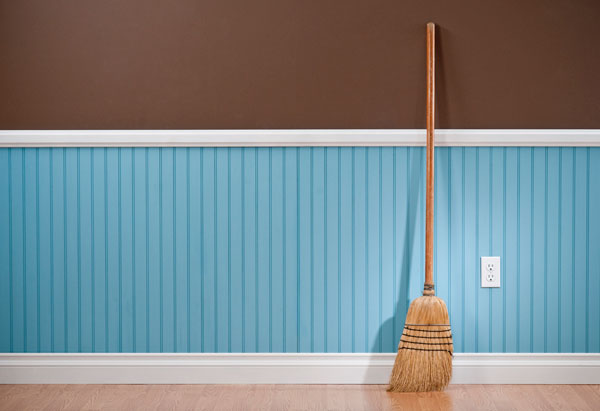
429	287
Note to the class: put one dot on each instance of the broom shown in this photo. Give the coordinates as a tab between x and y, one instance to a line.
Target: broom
424	359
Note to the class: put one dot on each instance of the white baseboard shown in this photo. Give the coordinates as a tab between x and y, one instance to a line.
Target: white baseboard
289	368
299	137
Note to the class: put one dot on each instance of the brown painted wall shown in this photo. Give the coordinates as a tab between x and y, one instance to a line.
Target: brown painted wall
102	64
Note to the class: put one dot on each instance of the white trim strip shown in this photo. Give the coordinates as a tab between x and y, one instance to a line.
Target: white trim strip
280	138
289	368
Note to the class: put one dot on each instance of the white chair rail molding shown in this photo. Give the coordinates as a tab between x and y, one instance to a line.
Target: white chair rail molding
298	137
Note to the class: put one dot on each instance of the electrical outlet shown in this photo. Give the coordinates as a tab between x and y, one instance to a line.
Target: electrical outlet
490	271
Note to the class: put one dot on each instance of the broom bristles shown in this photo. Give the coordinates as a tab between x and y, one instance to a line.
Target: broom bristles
424	359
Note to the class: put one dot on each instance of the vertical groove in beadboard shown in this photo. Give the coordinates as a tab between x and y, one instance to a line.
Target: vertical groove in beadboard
449	230
505	252
353	250
51	206
256	251
106	339
339	245
518	231
366	247
573	252
160	247
490	249
188	248
312	254
394	253
93	250
147	256
243	250
503	247
477	316
10	253
297	249
407	257
325	248
463	256
78	250
270	249
546	249
65	253
531	250
229	247
449	206
37	244
24	245
120	248
202	270
133	265
215	250
597	197
587	250
174	231
559	249
284	249
380	250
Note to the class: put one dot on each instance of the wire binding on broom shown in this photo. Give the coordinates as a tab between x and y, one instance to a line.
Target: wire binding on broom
421	336
426	343
428	331
408	327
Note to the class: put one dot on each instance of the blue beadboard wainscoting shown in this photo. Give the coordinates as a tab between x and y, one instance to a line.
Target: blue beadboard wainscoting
294	249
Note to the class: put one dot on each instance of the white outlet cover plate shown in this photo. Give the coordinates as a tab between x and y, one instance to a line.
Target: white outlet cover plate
490	272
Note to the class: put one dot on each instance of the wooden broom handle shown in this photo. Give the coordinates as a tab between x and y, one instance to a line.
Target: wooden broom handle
429	287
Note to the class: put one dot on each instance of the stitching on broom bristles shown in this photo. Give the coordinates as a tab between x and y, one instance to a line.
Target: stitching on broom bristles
407	328
427	331
422	336
426	343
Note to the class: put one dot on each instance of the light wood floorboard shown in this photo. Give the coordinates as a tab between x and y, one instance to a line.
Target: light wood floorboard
295	397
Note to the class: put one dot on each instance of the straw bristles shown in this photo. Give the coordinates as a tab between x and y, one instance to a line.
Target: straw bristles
424	360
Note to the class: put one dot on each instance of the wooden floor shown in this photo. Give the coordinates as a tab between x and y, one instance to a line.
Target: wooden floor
295	397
